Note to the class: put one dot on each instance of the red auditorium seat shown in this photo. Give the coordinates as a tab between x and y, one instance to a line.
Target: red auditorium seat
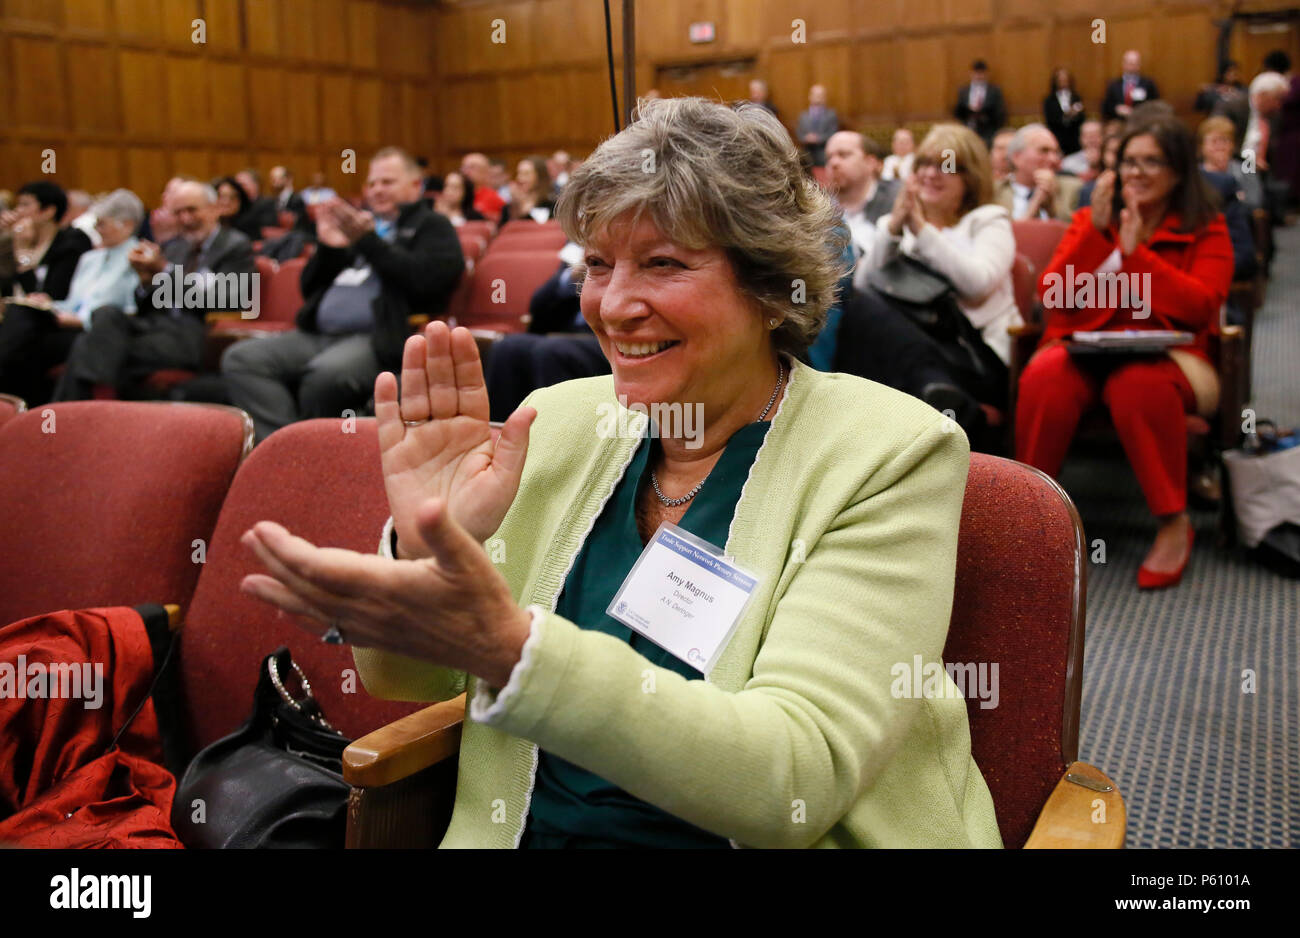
323	484
1018	603
472	245
512	278
1024	280
100	503
527	224
281	293
483	228
537	239
1037	240
11	406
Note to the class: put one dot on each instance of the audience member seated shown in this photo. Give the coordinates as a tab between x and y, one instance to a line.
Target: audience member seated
475	168
1218	155
499	179
980	105
1129	90
160	225
456	200
45	253
898	165
178	286
530	193
688	291
1109	155
1224	175
1267	92
318	192
81	215
853	167
558	167
1035	189
261	212
759	94
369	274
1156	220
234	208
286	200
1086	162
948	223
7	267
1227	97
1063	111
559	345
817	125
999	162
39	333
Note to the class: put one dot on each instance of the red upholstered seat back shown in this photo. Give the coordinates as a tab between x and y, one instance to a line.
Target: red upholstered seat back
539	238
104	510
1037	238
284	297
324	485
503	285
1018	603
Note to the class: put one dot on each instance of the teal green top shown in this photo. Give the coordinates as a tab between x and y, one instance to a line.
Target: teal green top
572	807
797	737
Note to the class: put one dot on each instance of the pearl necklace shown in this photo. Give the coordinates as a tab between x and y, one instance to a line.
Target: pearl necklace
674	502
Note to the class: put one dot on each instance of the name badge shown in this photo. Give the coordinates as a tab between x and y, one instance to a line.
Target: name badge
1139	93
684	596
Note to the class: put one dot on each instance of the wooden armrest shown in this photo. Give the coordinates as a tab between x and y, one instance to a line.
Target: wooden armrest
1027	328
417	320
235	316
1073	819
1231	333
406	746
173	616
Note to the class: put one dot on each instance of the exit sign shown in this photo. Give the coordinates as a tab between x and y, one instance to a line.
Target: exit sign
702	32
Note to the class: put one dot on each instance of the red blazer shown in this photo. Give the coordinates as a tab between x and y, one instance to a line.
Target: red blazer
1190	273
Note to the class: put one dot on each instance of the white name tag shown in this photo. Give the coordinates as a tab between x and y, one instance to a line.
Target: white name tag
684	596
352	276
1139	94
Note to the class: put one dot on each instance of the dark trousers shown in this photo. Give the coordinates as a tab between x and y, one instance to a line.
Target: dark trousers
119	349
880	342
520	364
31	343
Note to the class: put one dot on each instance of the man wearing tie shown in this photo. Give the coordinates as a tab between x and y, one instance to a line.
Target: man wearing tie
168	331
980	105
1035	189
1129	90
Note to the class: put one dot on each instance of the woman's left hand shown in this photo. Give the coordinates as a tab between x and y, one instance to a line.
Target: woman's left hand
1130	223
453	609
915	219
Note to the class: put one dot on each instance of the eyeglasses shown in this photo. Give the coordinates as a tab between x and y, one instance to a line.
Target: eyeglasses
924	162
1146	164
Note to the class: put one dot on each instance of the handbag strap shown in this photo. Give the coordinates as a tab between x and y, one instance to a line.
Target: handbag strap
307	705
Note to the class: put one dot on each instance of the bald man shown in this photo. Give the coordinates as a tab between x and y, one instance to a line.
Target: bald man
1129	90
476	168
816	125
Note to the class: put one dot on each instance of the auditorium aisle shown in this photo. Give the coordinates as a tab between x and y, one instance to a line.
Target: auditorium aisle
1199	762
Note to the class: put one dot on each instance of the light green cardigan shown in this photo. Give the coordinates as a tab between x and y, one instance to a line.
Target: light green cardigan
850	514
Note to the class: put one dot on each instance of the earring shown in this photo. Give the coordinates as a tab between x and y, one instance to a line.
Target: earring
773	323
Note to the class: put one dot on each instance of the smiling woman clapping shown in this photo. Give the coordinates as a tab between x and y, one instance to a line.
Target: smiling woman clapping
687	639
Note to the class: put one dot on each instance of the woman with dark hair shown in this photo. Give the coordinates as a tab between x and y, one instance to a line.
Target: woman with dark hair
235	208
456	200
1158	225
1063	110
530	192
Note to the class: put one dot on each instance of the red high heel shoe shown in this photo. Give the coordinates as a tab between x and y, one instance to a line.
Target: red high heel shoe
1149	579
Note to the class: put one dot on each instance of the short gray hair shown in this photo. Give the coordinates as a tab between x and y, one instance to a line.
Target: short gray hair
710	175
1021	139
120	205
1271	82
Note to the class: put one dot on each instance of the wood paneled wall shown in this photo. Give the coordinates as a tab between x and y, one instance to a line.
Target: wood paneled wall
121	93
884	62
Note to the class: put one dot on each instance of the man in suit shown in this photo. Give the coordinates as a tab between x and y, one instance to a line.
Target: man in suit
758	94
853	164
1129	90
1035	189
816	125
261	209
980	105
286	199
369	274
206	268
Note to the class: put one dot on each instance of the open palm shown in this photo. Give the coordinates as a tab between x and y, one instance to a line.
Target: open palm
436	441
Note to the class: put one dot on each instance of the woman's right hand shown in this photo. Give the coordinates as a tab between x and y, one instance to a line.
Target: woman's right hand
449	454
903	208
1103	194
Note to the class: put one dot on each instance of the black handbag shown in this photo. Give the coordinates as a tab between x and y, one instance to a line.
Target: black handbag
928	298
277	781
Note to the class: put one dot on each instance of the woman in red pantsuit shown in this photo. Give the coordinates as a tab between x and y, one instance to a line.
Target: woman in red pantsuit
1160	221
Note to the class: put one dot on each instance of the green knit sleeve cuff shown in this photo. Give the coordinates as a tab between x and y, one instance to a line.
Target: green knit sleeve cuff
534	683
